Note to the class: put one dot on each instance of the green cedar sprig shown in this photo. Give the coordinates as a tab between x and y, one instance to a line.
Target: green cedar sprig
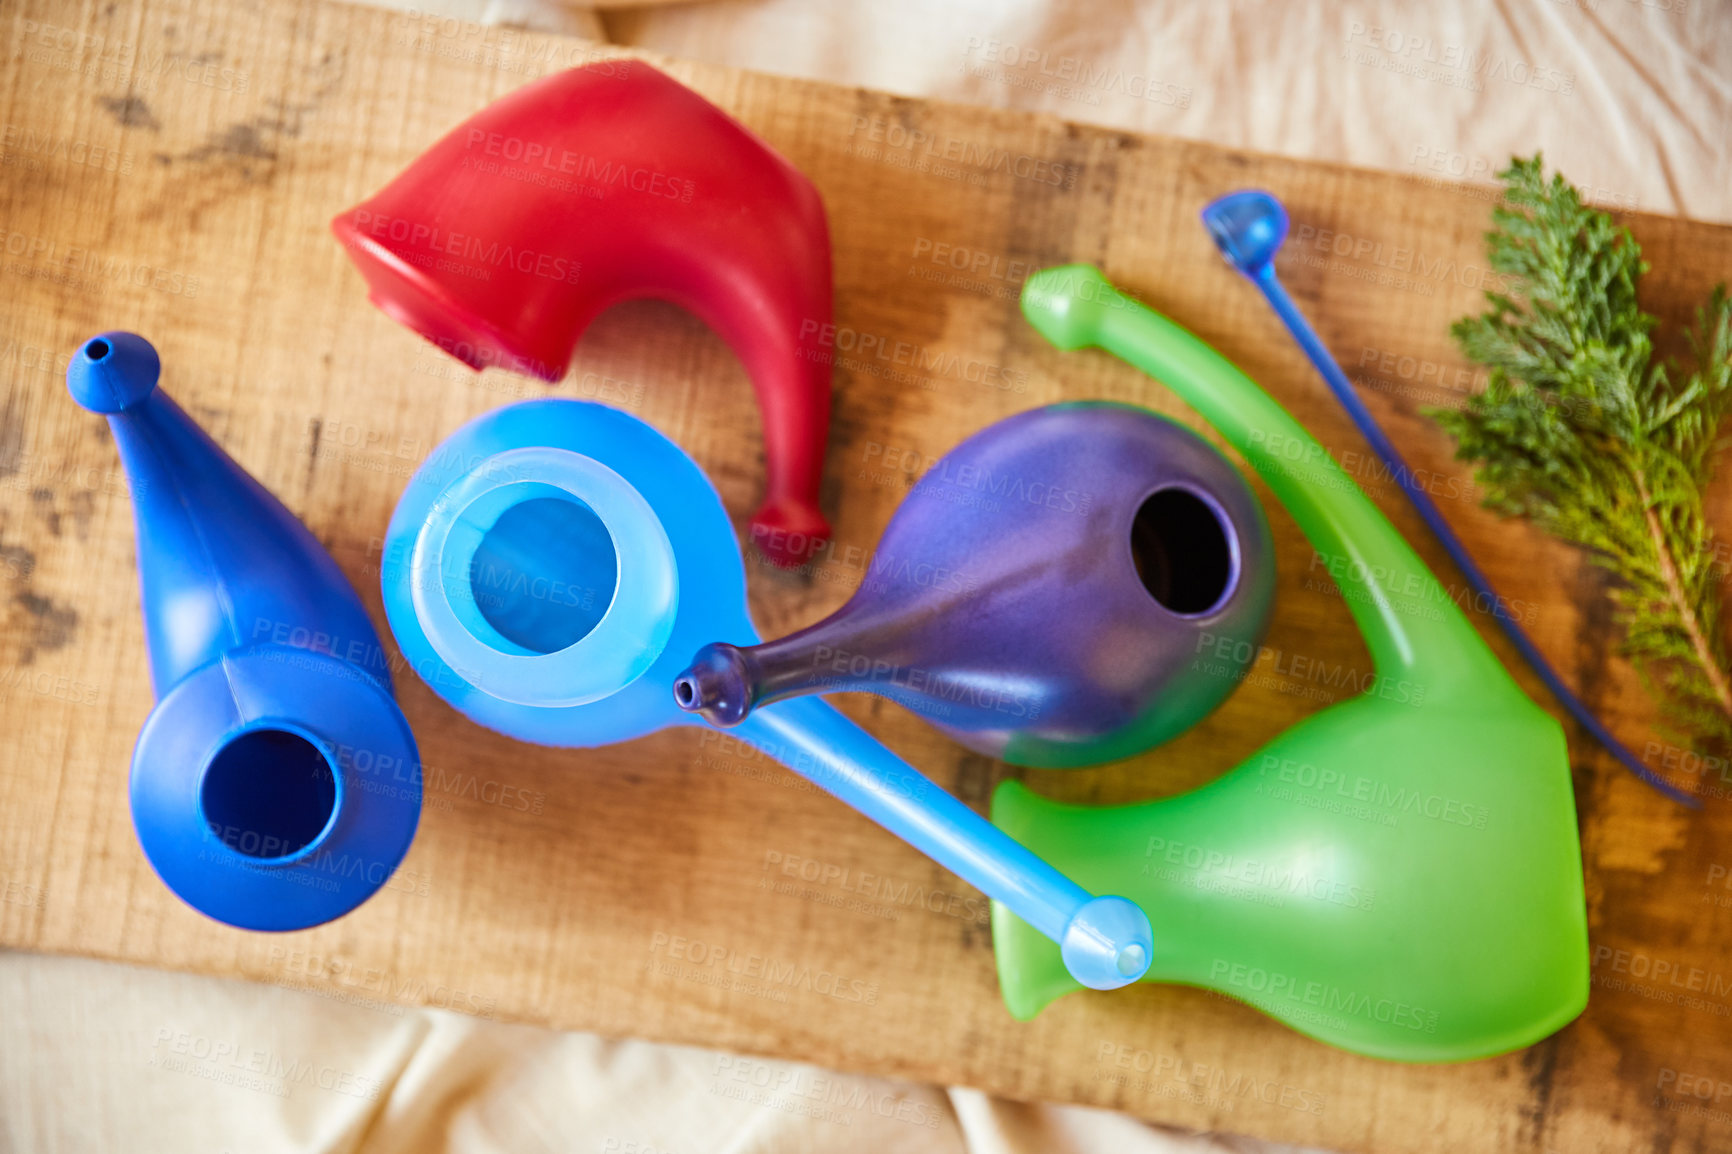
1582	430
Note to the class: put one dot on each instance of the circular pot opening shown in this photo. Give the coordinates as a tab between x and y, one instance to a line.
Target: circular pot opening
1182	551
268	793
544	574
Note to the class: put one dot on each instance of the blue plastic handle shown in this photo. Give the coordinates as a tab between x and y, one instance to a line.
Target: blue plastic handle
1105	941
552	567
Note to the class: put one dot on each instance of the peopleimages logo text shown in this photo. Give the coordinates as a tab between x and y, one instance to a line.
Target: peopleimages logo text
466	246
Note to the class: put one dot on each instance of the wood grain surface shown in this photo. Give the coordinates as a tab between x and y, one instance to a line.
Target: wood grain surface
170	167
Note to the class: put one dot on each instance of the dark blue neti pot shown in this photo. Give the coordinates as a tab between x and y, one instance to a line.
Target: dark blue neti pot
276	784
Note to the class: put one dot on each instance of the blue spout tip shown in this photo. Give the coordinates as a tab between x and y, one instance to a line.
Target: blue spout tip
1108	943
1249	227
112	372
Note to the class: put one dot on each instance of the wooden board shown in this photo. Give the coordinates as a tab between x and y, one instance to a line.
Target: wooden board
169	166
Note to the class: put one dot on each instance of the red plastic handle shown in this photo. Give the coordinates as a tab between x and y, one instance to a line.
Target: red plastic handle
505	239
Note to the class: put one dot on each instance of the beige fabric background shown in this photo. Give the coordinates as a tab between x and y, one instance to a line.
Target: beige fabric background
1632	98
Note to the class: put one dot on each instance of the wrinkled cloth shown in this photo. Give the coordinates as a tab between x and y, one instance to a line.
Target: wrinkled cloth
96	1056
1631	98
